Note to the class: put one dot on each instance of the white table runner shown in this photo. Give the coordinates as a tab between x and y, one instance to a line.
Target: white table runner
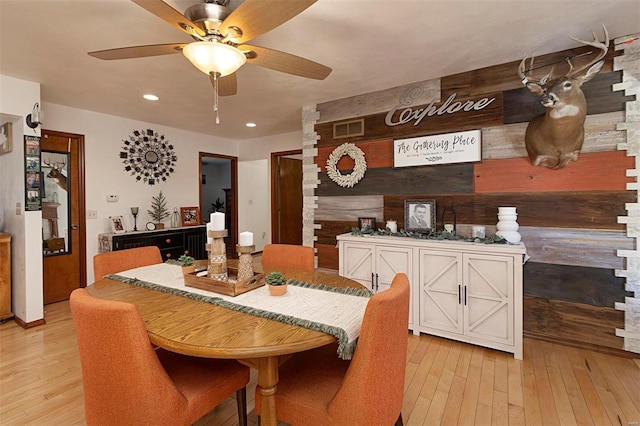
334	313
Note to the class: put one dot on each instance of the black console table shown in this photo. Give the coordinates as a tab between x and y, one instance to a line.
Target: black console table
172	242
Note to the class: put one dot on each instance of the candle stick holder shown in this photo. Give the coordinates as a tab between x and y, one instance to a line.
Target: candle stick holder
134	212
245	261
217	268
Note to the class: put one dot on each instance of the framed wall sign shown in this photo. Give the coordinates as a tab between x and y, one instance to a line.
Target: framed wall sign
6	138
33	174
419	215
459	147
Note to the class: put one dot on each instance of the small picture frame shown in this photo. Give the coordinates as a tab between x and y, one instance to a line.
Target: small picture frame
190	216
419	215
117	224
367	223
6	138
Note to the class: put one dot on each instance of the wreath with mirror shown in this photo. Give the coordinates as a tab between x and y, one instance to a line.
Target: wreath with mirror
148	156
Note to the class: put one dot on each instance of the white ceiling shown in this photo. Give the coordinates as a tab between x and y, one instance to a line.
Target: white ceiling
371	45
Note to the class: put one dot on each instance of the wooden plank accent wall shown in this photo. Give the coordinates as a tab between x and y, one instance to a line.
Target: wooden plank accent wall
594	171
568	217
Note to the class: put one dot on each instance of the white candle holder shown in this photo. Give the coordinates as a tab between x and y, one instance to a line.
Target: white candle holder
217	268
245	261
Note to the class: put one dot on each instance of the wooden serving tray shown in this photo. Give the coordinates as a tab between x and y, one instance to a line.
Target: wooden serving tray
225	287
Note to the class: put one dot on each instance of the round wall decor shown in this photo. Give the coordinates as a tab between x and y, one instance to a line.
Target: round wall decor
148	156
358	170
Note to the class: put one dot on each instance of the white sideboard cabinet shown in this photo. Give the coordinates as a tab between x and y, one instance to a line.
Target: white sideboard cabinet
465	291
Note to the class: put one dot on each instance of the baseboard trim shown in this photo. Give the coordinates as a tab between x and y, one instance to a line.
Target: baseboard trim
31	324
582	345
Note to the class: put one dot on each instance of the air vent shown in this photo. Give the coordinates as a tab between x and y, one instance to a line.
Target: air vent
348	128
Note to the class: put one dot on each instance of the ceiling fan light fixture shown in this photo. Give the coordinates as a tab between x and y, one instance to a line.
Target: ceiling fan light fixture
214	57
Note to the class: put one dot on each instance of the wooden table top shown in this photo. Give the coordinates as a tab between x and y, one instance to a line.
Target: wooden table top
203	329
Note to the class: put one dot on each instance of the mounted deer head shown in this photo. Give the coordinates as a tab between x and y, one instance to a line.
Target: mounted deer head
56	174
555	138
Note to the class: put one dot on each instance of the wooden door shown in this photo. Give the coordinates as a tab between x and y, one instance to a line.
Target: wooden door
288	201
64	263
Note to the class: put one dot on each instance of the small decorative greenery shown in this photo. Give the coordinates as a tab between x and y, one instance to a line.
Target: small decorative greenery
275	278
432	235
186	260
158	208
218	206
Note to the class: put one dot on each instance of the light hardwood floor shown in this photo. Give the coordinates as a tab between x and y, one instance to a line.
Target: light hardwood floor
446	382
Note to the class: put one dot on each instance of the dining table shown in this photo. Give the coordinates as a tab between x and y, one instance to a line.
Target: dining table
196	328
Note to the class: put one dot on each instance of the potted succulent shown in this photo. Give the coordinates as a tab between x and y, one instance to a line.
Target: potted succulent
277	283
188	263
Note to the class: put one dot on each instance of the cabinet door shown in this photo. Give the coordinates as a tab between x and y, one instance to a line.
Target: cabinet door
489	297
388	262
440	290
357	263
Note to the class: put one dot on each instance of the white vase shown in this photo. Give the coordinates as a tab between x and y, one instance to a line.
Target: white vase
507	225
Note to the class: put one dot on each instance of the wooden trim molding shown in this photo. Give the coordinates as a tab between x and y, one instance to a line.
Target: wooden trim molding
31	324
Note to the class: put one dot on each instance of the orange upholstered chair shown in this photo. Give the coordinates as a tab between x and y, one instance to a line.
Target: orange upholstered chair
127	382
290	255
318	388
121	260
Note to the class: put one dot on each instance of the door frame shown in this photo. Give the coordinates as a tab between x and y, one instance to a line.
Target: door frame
233	232
274	191
82	213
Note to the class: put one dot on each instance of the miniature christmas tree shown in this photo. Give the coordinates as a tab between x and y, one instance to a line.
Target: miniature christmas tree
158	208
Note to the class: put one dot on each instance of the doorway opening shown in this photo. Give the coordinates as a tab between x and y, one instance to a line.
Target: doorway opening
218	193
63	214
286	197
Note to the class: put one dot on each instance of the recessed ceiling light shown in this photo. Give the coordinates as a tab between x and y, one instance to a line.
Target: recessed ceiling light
250	124
150	97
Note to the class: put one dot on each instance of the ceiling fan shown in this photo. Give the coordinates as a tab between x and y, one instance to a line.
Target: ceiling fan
220	34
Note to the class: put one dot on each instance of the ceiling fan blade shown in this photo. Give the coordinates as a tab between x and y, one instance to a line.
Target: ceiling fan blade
163	11
285	62
255	17
138	51
227	85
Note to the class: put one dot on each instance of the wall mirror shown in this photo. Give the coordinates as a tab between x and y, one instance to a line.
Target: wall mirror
56	206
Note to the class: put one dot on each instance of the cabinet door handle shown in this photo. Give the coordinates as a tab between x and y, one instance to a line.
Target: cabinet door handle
376	283
168	255
459	294
168	240
465	295
373	282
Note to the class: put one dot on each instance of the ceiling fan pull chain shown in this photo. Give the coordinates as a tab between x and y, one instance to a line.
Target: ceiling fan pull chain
215	96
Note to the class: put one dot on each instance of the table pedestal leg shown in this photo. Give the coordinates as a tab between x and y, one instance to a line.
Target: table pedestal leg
267	384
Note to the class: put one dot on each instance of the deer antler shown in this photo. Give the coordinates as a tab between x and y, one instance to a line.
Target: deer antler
522	72
604	47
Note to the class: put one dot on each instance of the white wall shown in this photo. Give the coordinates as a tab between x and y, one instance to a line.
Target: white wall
254	203
17	98
105	174
254	182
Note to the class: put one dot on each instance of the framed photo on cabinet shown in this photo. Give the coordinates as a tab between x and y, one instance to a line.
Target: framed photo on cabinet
367	223
117	224
190	216
420	215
